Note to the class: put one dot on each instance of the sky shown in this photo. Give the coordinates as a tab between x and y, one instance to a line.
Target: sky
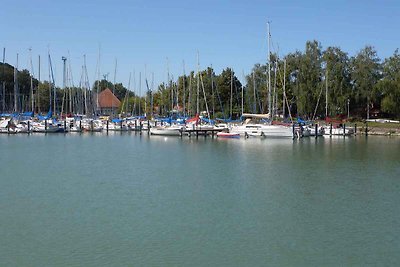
157	37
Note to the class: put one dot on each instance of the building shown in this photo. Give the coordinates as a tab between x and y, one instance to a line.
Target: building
108	103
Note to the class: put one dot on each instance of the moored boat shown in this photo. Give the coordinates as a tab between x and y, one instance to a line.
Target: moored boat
174	130
228	135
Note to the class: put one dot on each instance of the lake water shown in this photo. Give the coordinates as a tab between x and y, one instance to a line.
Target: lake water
131	200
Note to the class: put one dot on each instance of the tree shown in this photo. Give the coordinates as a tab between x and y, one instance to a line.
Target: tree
309	79
365	75
226	83
337	69
389	85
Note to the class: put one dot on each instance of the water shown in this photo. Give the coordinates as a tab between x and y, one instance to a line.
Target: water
126	200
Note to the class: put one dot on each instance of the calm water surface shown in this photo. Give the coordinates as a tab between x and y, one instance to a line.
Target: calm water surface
130	200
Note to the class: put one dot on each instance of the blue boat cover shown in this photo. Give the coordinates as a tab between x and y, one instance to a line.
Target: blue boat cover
48	116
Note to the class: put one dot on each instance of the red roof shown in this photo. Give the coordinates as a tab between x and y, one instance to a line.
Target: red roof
108	100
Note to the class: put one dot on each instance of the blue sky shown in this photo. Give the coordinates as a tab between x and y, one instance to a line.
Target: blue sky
142	35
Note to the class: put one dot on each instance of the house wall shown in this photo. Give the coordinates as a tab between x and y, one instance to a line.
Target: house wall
108	111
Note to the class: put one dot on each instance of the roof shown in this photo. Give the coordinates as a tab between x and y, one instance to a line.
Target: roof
108	100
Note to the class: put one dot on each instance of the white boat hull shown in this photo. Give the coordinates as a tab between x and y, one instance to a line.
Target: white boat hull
167	131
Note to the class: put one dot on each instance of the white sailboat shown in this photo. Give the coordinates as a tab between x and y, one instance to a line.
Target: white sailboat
253	126
257	124
173	130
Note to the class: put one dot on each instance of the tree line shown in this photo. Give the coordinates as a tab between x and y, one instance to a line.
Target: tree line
313	83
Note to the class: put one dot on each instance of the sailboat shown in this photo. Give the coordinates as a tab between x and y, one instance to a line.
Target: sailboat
261	124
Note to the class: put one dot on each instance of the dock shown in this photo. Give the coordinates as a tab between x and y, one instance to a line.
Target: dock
203	132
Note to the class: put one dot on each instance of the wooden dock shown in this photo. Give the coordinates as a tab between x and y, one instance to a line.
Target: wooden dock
203	132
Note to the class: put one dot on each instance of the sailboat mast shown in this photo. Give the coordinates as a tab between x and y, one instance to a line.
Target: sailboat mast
145	95
284	88
231	94
37	92
169	86
64	59
243	91
254	92
115	80
16	86
190	95
326	92
98	84
52	86
184	89
204	95
212	92
32	99
269	72
151	95
140	89
126	100
69	85
4	81
274	97
134	93
198	85
87	86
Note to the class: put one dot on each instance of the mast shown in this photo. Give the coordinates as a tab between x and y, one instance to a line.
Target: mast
151	95
4	81
184	89
326	93
38	95
140	90
64	59
190	95
52	86
75	100
50	102
242	91
126	100
145	95
98	84
32	99
284	88
254	92
115	80
16	86
69	84
134	94
198	85
169	86
231	94
212	92
204	95
269	72
274	97
87	86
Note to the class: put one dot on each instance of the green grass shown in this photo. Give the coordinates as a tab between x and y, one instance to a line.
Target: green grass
387	125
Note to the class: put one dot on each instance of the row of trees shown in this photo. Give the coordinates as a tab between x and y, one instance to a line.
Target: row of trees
310	84
301	82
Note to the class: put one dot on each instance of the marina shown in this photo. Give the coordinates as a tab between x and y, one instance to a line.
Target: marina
219	133
157	127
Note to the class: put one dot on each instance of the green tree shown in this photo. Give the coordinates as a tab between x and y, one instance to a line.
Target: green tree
366	71
337	69
226	83
389	85
309	79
